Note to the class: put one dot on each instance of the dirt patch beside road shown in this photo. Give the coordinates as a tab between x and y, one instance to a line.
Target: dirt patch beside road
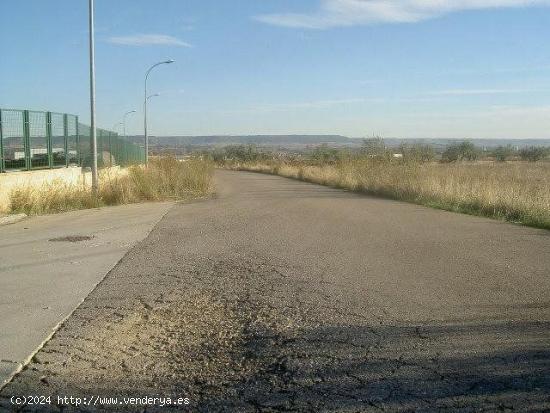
179	339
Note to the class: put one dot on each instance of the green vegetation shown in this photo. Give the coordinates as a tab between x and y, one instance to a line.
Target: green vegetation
503	153
417	152
163	179
533	153
513	191
245	153
465	151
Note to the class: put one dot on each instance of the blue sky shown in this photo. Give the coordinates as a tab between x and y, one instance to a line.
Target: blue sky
399	68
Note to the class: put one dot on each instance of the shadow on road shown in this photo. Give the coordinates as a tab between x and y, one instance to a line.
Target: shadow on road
484	366
479	366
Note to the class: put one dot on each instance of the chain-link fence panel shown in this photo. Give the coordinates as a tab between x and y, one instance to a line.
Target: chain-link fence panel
13	139
72	140
58	139
38	140
33	140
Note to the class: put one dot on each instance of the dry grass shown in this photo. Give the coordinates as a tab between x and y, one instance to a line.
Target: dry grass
163	179
516	191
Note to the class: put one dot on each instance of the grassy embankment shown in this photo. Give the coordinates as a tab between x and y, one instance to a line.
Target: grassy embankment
513	191
164	179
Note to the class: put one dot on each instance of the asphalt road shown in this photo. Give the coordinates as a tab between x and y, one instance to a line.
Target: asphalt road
279	295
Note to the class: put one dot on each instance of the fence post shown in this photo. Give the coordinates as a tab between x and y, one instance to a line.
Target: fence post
100	146
26	140
49	138
1	145
114	153
66	139
110	150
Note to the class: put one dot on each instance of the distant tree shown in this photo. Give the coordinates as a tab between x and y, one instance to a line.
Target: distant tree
216	154
323	153
464	151
450	154
501	153
375	147
242	153
468	151
417	152
533	153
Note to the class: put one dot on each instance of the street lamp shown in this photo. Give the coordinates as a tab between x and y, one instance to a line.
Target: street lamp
146	98
124	122
93	134
149	97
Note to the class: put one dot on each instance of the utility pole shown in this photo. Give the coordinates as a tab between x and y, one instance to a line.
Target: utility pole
93	136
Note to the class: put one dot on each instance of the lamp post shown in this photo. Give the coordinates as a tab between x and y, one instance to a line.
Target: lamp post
124	122
93	134
145	99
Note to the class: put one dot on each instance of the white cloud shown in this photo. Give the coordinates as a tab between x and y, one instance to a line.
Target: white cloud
148	40
334	13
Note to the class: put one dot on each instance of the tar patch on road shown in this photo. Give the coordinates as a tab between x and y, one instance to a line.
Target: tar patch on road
72	238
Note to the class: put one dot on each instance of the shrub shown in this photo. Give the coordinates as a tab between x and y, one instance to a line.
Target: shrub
533	153
240	153
417	152
325	154
465	151
375	148
502	153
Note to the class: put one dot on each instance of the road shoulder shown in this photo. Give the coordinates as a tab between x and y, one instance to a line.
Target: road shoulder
51	263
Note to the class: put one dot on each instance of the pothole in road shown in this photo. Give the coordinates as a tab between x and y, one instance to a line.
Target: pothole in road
72	238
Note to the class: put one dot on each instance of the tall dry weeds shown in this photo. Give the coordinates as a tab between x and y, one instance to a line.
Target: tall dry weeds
163	179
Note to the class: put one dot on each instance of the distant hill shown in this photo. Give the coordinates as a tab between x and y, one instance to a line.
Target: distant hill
262	140
481	143
301	141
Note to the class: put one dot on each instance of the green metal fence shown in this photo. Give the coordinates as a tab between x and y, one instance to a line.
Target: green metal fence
39	140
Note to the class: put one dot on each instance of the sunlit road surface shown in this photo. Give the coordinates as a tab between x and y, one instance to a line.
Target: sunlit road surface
278	295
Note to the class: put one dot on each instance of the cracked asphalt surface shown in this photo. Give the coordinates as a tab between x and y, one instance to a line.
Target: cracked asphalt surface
279	295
